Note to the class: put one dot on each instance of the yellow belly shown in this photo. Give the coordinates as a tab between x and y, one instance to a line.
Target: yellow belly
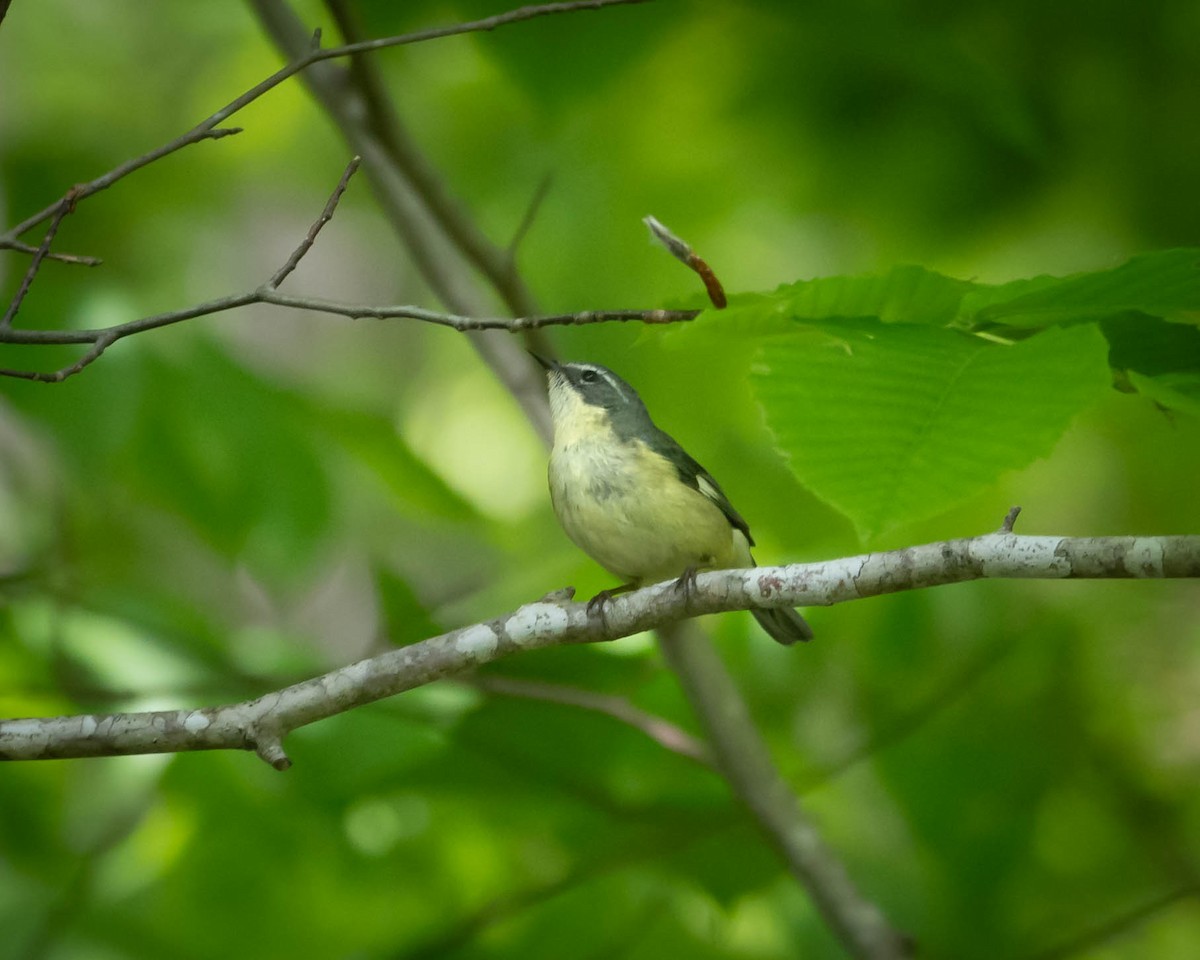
642	531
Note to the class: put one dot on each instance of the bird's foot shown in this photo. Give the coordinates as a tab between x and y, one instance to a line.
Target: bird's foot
597	604
686	584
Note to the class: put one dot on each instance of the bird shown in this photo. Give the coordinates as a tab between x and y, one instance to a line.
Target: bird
630	497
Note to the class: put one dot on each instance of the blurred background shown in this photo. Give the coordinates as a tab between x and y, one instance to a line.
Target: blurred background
217	508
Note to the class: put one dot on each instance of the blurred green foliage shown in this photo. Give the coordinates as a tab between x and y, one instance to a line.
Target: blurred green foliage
219	507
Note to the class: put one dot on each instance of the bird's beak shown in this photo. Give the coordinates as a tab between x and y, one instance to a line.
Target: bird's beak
550	365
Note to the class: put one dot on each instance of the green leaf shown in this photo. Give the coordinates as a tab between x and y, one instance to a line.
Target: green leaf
373	440
905	294
899	422
1165	283
1150	345
405	617
231	453
1175	391
728	879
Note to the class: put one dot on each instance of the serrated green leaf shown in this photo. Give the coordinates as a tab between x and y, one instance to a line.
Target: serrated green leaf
1165	284
900	422
905	294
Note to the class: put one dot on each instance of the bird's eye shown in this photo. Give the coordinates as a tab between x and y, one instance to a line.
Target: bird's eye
589	376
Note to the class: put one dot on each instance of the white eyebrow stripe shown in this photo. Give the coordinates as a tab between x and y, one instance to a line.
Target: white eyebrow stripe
619	387
622	390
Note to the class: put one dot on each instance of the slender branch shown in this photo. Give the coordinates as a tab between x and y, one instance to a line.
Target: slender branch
65	206
426	181
435	255
527	219
310	238
1113	927
666	734
746	764
73	258
398	205
210	129
84	190
101	338
262	723
101	343
76	258
468	324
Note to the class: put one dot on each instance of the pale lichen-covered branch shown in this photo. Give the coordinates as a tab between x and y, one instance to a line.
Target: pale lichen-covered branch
261	724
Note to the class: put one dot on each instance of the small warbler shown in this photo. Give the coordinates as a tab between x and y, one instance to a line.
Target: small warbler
632	498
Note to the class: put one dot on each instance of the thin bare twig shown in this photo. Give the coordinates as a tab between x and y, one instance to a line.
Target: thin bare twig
75	258
467	324
326	215
65	206
527	219
100	339
509	365
666	734
1113	927
84	190
424	178
436	256
209	128
101	343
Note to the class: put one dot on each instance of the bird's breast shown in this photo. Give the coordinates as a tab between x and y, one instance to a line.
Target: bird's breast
626	507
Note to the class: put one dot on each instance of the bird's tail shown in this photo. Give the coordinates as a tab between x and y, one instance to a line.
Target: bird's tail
784	625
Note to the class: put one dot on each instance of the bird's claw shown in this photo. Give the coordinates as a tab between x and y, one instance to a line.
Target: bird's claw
597	604
686	584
